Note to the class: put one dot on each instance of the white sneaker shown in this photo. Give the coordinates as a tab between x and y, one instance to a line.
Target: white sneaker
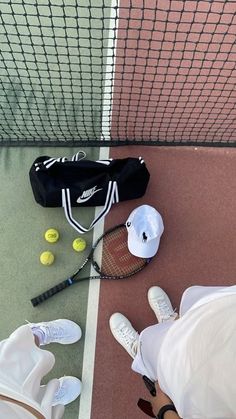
58	331
124	333
69	390
161	305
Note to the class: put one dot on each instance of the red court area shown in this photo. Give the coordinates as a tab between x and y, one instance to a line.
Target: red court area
175	71
194	190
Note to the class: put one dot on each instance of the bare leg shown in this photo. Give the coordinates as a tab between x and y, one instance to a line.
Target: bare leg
36	339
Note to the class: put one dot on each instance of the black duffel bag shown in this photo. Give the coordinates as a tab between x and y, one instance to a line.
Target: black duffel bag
60	182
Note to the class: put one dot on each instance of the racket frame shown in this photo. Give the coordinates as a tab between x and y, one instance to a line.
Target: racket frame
73	280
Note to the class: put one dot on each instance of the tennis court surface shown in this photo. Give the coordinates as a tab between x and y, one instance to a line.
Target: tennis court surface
193	189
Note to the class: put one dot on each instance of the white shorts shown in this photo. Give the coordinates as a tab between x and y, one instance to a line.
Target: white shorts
22	366
151	338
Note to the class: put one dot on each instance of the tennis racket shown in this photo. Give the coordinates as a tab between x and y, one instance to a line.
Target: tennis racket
110	258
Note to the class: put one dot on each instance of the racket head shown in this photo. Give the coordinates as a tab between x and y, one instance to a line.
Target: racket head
111	257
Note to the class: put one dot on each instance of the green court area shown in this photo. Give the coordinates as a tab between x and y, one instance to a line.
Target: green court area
52	68
22	226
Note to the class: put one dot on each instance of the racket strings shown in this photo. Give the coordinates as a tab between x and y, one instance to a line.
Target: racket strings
113	257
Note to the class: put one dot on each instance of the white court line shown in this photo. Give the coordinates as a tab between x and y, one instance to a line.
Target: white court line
91	326
94	286
110	71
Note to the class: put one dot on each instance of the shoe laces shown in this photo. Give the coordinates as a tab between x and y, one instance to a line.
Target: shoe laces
52	332
61	391
129	337
165	312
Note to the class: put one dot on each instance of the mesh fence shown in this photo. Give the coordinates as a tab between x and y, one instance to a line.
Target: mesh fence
108	72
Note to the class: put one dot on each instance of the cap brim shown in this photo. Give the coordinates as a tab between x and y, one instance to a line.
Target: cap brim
142	250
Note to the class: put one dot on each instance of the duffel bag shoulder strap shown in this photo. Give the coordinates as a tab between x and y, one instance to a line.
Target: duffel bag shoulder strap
111	198
52	160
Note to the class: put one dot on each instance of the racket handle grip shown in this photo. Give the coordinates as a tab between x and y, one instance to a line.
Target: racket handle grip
49	293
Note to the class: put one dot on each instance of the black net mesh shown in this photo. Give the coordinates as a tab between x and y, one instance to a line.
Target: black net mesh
108	72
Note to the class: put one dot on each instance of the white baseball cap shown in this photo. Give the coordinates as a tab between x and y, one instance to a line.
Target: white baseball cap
145	227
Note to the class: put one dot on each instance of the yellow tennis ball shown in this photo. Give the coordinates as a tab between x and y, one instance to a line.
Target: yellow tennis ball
51	235
47	258
79	244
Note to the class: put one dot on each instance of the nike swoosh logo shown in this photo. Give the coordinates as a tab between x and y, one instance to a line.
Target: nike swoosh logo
85	198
